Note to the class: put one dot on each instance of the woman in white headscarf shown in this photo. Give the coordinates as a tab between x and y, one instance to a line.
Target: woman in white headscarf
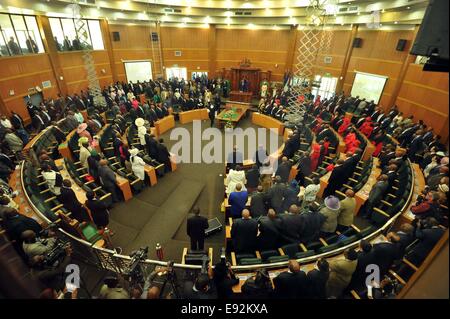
137	164
142	130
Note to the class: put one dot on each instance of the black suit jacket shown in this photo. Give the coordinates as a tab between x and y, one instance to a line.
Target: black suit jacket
243	233
269	233
291	227
317	282
385	254
291	285
252	177
258	205
196	226
284	169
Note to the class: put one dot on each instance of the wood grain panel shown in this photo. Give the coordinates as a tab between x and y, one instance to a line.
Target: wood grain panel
267	40
184	38
131	36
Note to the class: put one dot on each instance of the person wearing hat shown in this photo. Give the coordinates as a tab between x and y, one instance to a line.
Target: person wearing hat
140	122
331	212
83	132
137	164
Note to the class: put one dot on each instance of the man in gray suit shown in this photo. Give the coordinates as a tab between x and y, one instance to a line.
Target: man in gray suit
108	180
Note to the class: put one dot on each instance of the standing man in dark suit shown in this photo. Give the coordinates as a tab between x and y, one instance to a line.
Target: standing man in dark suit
428	233
269	231
317	280
164	156
108	180
337	178
211	113
284	169
292	225
196	226
243	233
71	203
16	120
258	203
291	284
151	144
276	195
252	177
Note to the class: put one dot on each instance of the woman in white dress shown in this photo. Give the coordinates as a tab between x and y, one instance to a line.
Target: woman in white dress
234	177
142	130
137	164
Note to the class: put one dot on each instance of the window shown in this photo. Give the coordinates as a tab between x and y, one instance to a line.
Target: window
180	73
326	88
74	35
199	74
19	35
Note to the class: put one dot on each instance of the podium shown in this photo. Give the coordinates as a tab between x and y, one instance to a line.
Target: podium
238	96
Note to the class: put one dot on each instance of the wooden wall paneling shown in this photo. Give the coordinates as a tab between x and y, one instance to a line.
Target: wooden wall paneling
292	49
21	73
212	51
107	40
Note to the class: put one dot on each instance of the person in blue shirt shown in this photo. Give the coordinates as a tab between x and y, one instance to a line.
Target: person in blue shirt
237	200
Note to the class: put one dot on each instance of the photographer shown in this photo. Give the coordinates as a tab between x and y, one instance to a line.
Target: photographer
33	246
114	287
258	286
51	275
202	288
224	279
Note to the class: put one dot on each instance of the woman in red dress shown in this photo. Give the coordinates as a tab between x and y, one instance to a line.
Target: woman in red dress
315	154
344	126
367	127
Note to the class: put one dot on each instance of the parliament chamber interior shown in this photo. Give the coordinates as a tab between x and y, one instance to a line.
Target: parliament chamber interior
228	150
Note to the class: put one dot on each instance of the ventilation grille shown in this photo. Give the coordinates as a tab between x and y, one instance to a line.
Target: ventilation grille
171	10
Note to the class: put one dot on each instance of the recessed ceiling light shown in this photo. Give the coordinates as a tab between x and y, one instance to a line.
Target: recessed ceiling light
408	8
383	11
396	22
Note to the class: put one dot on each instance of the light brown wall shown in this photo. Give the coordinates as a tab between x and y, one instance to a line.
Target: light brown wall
425	95
75	74
193	44
266	49
134	44
21	74
379	56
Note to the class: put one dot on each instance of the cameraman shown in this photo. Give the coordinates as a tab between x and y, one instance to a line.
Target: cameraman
114	287
224	279
33	246
202	288
51	276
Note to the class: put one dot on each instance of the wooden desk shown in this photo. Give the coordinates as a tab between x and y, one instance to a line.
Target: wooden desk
241	96
63	148
370	148
190	116
124	186
25	208
151	173
165	124
241	111
31	143
267	122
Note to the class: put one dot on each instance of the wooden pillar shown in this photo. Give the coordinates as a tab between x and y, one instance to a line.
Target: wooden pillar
212	56
3	109
406	62
348	55
160	46
106	33
50	48
290	56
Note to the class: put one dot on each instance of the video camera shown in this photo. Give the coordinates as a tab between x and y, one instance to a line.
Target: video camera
134	270
56	254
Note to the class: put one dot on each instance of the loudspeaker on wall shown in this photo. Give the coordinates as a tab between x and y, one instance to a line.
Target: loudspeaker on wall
116	36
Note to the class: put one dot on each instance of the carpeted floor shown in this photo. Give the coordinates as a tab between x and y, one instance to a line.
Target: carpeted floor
158	214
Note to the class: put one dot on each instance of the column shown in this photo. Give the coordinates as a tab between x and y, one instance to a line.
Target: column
348	55
212	56
108	47
290	55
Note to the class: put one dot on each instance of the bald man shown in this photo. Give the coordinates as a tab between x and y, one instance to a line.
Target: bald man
269	231
284	169
291	284
348	206
243	233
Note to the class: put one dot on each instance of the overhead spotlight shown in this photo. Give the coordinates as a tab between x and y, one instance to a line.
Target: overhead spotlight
396	22
408	8
383	11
